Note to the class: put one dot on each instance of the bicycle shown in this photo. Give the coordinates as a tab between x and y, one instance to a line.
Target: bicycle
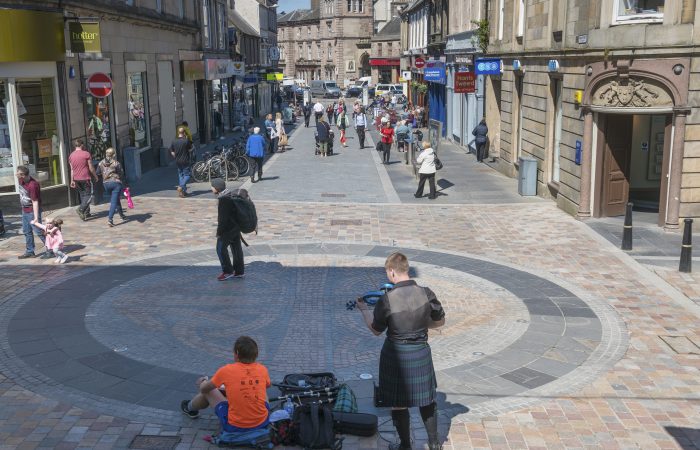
214	166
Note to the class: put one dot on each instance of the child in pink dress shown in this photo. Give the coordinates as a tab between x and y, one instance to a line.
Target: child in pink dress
54	238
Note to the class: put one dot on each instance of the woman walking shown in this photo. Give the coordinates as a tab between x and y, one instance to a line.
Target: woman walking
271	133
427	170
112	176
281	133
387	139
342	125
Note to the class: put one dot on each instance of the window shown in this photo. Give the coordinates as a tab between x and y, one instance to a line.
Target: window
181	9
350	5
221	20
388	49
318	51
137	104
556	144
379	49
206	28
159	6
360	6
330	52
330	26
501	13
639	10
308	52
301	52
318	30
521	18
308	31
299	32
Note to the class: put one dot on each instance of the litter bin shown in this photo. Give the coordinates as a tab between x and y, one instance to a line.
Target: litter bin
527	176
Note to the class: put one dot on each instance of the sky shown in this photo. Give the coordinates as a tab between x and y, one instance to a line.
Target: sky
289	5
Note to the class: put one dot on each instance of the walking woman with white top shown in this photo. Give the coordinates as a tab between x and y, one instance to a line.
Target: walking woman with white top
427	170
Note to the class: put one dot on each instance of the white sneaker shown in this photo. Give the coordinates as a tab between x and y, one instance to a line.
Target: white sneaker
57	260
64	259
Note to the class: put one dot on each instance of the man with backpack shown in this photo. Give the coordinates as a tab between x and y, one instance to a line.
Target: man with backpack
236	215
243	412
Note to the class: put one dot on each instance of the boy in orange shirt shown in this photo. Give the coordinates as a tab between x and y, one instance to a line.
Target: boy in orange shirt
246	381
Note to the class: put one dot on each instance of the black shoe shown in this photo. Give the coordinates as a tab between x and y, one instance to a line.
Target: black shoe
417	196
26	256
433	197
110	223
80	214
123	217
47	255
398	447
186	411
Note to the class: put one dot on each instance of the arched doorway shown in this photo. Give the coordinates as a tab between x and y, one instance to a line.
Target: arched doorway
365	68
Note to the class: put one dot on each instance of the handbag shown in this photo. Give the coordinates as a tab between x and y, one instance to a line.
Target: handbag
129	200
283	140
438	163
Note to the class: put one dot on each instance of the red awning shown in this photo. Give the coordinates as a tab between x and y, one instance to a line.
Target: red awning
384	62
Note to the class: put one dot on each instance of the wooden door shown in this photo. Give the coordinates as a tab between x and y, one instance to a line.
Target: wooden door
616	164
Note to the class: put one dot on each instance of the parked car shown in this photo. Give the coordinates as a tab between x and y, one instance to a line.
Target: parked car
325	88
354	91
382	89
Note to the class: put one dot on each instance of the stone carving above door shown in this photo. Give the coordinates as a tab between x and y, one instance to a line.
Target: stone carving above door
632	93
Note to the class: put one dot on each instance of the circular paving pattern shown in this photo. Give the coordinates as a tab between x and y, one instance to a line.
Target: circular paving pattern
130	338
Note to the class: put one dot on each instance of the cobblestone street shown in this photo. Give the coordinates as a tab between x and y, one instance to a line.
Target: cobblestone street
551	343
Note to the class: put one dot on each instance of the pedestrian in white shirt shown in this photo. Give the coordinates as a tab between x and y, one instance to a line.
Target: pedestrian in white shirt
427	170
360	126
318	111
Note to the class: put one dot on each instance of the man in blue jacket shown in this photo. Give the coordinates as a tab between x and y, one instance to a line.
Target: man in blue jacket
255	149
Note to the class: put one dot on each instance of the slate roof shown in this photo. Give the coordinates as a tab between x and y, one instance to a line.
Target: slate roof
298	15
390	32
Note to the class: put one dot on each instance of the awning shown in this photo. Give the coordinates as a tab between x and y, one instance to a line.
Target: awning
238	22
384	62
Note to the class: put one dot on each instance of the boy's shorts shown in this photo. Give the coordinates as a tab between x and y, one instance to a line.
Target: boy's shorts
221	412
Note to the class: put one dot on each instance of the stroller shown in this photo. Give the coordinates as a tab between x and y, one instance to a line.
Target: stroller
331	138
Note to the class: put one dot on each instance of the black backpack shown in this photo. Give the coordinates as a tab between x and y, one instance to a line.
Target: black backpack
314	425
246	215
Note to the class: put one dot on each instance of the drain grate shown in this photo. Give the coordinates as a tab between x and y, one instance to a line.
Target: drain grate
681	345
341	222
149	442
330	194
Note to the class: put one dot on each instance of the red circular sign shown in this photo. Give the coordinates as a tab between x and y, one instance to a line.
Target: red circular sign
99	85
420	63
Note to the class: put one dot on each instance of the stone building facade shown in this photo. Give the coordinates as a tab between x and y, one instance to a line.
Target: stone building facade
329	41
604	97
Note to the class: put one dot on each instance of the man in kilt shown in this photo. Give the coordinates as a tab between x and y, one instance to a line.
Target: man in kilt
406	373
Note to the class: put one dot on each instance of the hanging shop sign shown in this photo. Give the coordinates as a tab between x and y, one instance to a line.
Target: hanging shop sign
517	65
84	37
193	70
251	78
238	68
488	66
99	85
465	83
274	53
406	74
553	65
435	72
217	69
464	59
275	76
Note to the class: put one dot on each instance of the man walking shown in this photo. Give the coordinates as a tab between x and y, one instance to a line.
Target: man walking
181	150
406	372
255	149
30	201
360	125
323	131
82	177
307	114
228	233
318	111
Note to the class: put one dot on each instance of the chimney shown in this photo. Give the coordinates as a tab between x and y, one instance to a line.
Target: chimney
316	5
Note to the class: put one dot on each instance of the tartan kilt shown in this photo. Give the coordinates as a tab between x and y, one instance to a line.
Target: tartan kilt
406	375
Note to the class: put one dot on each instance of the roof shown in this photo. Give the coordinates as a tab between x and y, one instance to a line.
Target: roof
390	32
298	15
411	6
237	21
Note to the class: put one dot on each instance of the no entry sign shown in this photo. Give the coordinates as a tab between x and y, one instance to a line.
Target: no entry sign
419	63
99	85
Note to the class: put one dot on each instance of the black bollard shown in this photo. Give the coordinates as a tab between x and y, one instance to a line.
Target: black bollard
686	264
627	229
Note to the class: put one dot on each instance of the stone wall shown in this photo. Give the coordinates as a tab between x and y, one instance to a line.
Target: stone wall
690	184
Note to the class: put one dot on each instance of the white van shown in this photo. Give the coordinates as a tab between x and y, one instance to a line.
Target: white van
325	88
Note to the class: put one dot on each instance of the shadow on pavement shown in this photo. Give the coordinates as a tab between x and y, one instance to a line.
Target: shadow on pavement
686	438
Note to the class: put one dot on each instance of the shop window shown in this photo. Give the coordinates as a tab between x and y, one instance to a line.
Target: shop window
521	18
139	132
181	9
639	10
98	118
222	30
40	144
7	166
360	6
159	6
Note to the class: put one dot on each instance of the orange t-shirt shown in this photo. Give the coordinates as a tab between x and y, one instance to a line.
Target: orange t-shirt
246	392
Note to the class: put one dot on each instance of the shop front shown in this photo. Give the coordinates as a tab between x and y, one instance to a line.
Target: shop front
434	73
465	90
388	70
31	127
218	75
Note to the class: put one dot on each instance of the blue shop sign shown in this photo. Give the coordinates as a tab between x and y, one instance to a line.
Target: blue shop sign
250	78
435	75
488	66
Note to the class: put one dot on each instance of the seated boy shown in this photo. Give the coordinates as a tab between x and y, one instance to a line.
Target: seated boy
246	382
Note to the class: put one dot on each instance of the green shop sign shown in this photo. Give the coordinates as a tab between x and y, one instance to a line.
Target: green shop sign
84	37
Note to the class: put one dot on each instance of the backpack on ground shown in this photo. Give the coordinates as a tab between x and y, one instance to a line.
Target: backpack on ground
315	427
345	400
246	215
258	438
283	432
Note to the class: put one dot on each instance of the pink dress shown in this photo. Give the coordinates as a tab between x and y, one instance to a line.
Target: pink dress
54	241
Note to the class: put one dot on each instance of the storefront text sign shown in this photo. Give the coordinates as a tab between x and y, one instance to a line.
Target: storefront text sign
277	76
251	78
384	62
238	68
84	37
488	66
435	72
465	83
216	69
44	146
464	59
99	85
193	70
31	36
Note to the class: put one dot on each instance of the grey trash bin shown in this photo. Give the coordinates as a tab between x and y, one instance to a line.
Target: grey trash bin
527	176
